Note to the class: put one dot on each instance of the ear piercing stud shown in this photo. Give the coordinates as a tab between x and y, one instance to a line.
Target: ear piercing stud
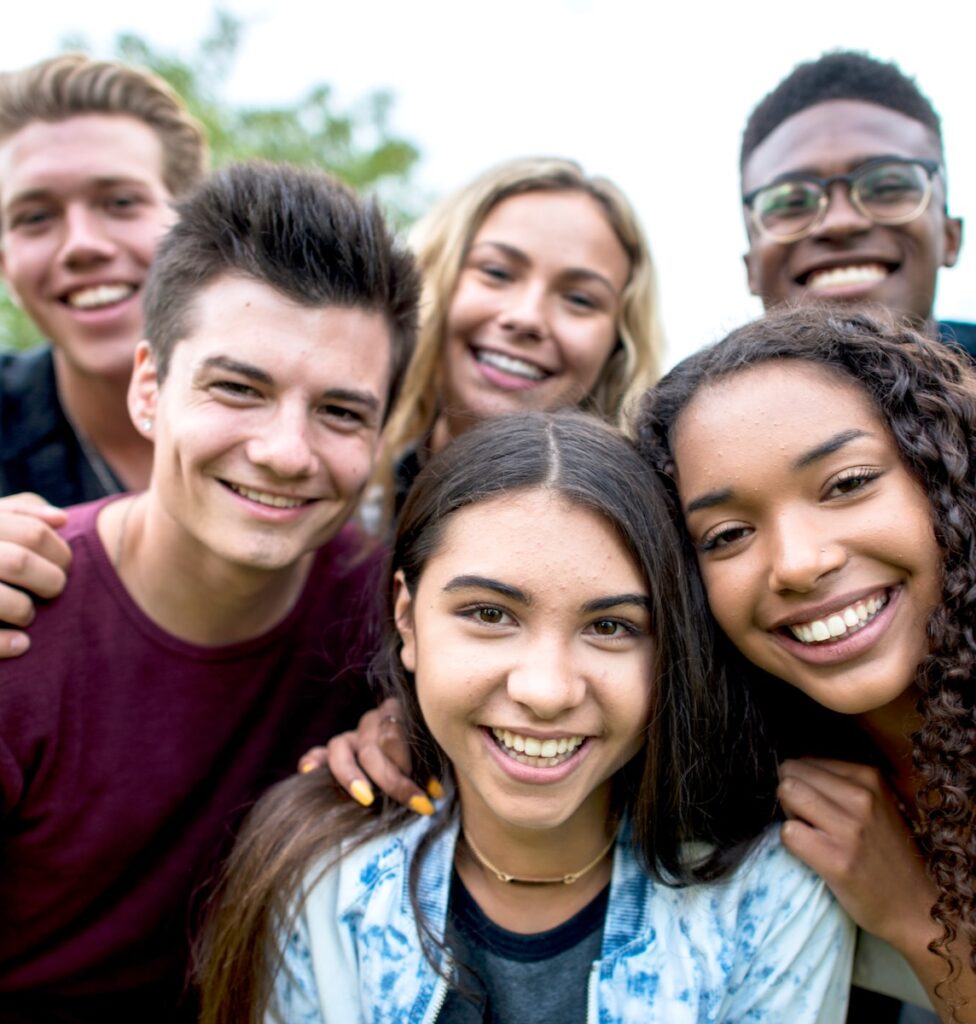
146	424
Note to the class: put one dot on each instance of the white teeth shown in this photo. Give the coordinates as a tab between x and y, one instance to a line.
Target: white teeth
840	623
534	752
509	364
263	498
863	273
100	295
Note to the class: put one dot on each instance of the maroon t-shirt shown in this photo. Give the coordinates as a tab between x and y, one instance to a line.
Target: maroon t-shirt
126	759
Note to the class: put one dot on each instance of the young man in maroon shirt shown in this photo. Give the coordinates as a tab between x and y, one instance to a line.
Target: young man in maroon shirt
215	625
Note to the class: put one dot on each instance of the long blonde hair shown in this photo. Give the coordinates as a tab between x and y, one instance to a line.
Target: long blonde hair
441	240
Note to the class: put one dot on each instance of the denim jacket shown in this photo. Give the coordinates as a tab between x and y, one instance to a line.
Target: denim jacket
766	944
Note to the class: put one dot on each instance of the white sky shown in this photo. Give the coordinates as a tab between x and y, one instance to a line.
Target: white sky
648	94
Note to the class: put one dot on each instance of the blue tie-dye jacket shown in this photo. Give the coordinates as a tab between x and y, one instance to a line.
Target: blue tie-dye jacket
766	944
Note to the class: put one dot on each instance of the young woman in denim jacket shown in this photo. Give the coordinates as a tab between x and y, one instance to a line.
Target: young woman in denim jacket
595	858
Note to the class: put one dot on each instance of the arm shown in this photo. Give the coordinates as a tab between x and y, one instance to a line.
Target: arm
376	751
34	562
845	824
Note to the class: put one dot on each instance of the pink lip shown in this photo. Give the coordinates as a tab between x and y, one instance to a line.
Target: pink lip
534	776
845	648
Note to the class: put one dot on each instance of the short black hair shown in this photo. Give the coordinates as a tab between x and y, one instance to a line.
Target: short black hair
297	230
839	75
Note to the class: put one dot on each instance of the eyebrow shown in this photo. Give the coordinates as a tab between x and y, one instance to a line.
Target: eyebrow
506	590
34	194
516	254
255	373
487	583
833	444
828	447
853	165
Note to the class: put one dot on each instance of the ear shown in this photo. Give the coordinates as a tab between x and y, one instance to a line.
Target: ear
953	240
143	396
403	617
750	275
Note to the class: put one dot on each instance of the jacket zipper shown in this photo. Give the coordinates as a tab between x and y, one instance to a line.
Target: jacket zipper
440	995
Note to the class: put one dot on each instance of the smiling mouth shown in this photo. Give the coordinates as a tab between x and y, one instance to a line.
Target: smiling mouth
830	278
266	498
99	296
842	623
510	364
536	753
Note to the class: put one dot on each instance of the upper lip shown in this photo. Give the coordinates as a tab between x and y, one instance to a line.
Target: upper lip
843	259
481	347
537	735
825	608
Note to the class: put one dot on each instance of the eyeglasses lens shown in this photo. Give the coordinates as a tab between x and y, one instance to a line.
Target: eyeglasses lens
891	193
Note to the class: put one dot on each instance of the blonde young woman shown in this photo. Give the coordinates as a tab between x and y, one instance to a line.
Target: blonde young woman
539	293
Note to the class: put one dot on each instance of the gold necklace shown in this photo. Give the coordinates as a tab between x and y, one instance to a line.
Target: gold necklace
504	876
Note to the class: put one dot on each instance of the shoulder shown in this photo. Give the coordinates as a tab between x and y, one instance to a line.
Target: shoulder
22	371
959	333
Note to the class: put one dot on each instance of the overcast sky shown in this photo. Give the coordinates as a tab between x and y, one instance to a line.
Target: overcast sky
653	99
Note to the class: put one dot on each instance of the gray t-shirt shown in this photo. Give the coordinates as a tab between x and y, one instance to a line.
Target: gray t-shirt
507	977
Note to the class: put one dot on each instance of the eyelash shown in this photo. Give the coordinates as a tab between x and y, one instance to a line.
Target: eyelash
721	538
861	475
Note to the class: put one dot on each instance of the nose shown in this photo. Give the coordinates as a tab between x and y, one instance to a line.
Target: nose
547	679
801	554
841	217
85	238
282	443
524	313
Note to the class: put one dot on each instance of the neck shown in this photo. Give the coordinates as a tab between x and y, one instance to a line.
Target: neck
535	853
890	729
96	407
186	589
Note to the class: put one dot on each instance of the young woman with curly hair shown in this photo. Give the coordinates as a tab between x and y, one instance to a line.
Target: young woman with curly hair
824	463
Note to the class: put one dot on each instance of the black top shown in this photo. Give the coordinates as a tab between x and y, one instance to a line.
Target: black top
508	977
39	450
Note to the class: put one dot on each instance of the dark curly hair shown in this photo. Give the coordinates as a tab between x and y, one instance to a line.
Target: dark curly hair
840	75
926	393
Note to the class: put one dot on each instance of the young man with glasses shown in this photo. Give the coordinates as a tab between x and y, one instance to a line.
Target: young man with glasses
845	195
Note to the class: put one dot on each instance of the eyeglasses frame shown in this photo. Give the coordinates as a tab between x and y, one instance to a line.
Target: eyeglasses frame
931	168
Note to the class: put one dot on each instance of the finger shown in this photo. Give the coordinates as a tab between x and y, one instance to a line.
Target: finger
13	643
863	774
818	806
34	505
312	760
389	777
813	846
339	755
22	568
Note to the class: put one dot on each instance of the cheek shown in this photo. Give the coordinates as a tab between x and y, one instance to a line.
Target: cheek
586	349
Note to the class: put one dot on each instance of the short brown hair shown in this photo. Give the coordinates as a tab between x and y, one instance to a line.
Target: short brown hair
297	230
72	85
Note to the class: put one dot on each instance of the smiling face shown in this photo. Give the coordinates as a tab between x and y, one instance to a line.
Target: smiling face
533	318
848	258
83	206
815	544
529	639
266	425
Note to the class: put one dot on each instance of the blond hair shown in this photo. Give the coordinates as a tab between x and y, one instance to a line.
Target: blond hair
441	241
72	85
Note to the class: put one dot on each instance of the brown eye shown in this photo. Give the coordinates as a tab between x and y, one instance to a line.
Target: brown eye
607	627
491	616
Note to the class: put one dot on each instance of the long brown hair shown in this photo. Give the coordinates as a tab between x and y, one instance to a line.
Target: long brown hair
704	772
926	394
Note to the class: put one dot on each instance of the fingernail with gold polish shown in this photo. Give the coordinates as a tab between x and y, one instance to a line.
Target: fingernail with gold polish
306	766
421	805
435	789
361	792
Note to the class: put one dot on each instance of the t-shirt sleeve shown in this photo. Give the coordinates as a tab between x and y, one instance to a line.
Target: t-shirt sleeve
802	944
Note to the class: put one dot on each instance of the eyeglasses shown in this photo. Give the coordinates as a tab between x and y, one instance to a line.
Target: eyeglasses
888	191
